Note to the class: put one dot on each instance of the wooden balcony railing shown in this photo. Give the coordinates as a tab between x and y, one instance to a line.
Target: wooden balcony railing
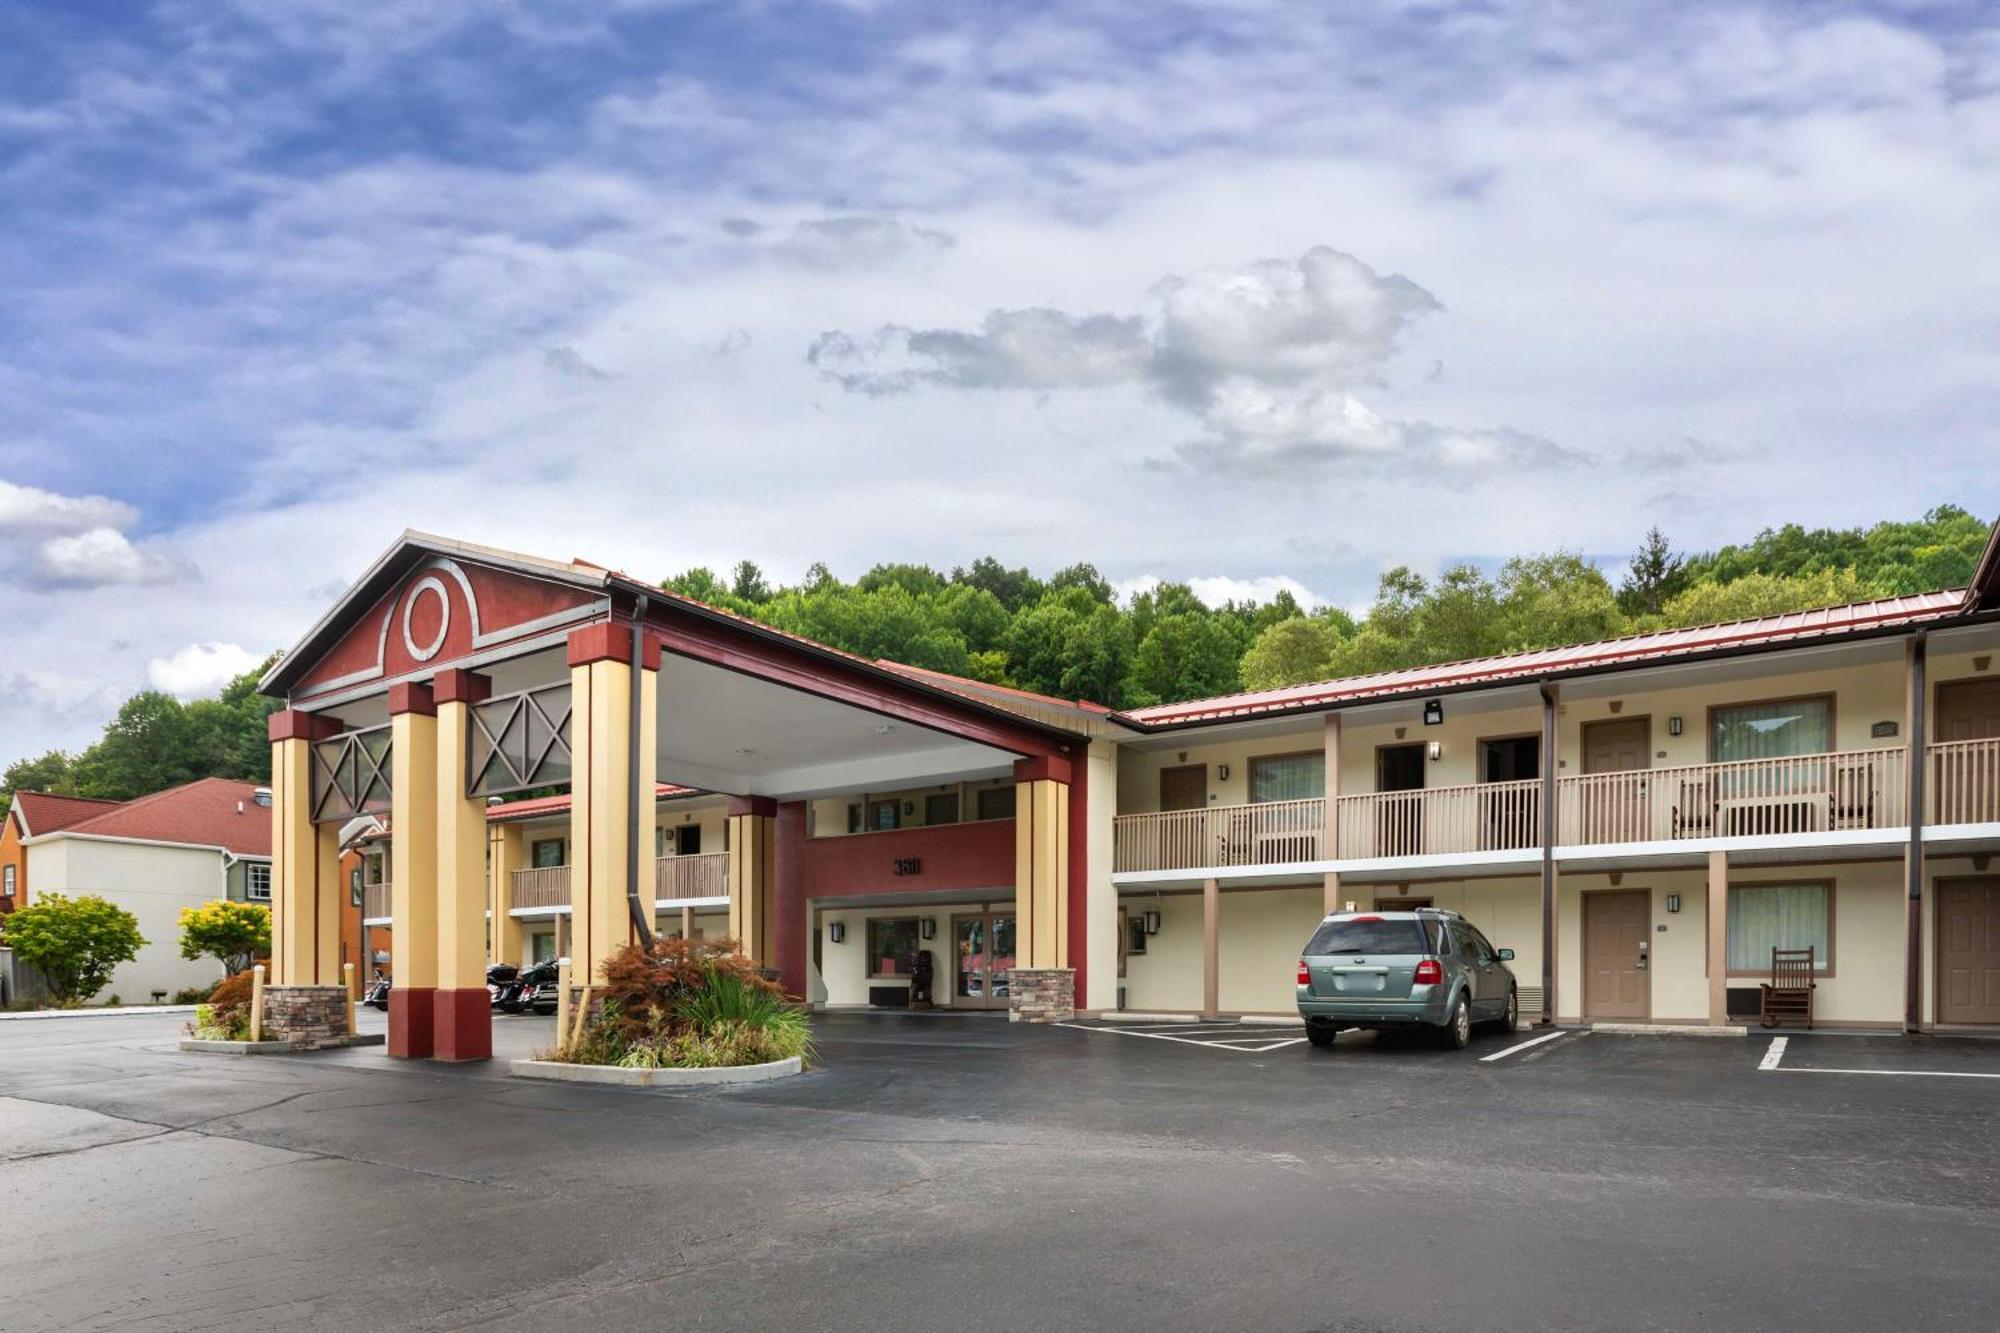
1963	785
702	875
1268	833
1810	793
545	886
1477	817
375	900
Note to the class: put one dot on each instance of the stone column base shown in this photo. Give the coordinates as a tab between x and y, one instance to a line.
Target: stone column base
461	1025
306	1017
411	1010
1041	995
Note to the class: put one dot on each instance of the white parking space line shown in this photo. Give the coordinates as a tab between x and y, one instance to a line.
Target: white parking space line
1774	1054
1235	1043
1522	1046
1887	1073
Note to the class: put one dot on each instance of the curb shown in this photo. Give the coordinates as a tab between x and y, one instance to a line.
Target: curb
619	1076
120	1012
1670	1030
213	1046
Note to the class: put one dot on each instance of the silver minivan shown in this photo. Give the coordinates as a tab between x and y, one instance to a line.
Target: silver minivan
1423	968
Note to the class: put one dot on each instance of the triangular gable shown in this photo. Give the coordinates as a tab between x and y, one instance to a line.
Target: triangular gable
439	608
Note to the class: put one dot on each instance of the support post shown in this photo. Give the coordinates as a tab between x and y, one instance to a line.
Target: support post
753	854
413	848
462	1013
506	850
788	898
1718	939
306	890
1329	841
347	984
601	777
1042	987
1913	852
1550	762
1211	949
257	1003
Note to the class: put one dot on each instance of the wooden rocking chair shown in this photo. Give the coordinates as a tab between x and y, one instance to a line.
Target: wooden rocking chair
1789	993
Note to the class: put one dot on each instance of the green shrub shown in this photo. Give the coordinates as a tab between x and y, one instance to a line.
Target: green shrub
689	1004
192	995
226	1016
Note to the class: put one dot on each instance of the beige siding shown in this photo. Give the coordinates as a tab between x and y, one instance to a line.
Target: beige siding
153	883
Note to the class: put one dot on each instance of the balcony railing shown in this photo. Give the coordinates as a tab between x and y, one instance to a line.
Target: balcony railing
1808	793
375	900
1478	817
702	875
1964	783
1268	833
543	886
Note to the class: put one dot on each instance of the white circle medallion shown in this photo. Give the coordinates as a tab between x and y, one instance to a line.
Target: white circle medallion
429	583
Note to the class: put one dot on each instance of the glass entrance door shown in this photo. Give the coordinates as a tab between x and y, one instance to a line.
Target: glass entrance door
983	954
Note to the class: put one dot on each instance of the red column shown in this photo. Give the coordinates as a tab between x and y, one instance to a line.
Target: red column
788	899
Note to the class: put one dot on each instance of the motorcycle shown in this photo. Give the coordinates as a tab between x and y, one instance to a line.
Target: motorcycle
377	994
538	988
504	988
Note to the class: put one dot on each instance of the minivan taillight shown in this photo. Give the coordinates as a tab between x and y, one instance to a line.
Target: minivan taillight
1305	974
1429	973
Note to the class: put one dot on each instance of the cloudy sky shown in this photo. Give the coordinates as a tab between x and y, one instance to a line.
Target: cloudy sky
1257	294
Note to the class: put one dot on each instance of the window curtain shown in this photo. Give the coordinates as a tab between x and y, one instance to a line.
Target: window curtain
1294	777
1769	731
1763	917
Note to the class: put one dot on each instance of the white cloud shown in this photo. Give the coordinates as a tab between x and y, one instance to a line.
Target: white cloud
103	556
32	511
199	669
1216	589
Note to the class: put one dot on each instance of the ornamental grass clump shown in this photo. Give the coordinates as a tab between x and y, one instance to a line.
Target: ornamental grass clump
688	1004
226	1016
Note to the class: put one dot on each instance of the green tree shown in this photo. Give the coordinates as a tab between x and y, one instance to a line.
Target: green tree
1016	588
53	772
236	934
1293	652
1656	576
1760	594
1071	647
1086	577
75	943
747	584
1188	655
1553	599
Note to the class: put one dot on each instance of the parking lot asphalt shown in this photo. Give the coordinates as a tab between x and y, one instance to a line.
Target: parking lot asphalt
946	1171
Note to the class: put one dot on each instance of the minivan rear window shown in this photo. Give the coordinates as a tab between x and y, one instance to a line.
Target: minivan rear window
1359	935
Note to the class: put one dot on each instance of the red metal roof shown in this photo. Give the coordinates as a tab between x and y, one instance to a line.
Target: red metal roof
208	812
548	805
1830	622
46	812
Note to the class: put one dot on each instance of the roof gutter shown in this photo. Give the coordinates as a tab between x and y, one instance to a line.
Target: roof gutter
641	911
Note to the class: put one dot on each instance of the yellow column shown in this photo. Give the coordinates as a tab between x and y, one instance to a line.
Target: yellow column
463	1022
505	853
601	780
1041	864
1718	938
306	890
1329	842
413	850
1211	949
753	856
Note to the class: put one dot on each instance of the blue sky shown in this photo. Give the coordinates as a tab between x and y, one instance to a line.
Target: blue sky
1255	294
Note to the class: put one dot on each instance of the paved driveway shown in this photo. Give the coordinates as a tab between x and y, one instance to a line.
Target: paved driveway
951	1172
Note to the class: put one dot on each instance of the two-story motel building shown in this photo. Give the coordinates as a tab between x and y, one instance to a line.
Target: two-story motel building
1641	820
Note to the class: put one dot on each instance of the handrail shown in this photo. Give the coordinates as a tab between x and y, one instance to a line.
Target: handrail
1468	817
698	875
1264	833
1963	782
539	886
1806	793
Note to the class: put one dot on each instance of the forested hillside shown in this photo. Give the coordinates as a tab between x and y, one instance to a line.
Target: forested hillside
1067	634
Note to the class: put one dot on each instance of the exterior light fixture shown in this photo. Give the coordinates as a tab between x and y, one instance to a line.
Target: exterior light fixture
836	931
1673	902
1222	772
1437	751
927	928
1152	921
1673	726
1433	712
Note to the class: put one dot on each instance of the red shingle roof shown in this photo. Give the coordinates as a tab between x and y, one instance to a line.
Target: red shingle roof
1634	650
209	812
548	805
46	812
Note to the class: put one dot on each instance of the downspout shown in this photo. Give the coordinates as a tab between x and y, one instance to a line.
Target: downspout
642	912
1913	858
1548	832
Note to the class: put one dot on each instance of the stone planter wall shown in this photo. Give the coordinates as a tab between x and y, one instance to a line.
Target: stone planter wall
306	1017
1041	995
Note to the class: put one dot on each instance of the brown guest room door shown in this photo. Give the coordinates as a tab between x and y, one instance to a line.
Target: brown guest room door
1616	943
1968	961
1616	811
1184	788
1968	777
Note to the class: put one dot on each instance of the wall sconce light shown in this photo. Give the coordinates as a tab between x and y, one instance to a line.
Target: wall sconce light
1152	921
836	931
1222	772
1437	752
1433	712
1673	726
1673	902
909	807
927	928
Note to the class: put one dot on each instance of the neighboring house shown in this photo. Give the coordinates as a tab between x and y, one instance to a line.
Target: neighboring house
152	856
